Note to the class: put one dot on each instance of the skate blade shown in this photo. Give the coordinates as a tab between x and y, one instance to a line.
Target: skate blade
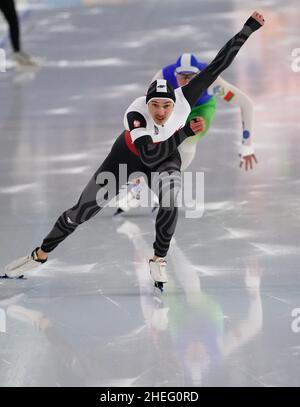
118	213
21	277
159	285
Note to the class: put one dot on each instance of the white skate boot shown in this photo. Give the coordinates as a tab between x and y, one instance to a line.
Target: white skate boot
158	272
17	268
24	60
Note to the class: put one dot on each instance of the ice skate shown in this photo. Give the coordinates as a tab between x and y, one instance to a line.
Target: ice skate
158	272
18	268
24	60
131	199
119	212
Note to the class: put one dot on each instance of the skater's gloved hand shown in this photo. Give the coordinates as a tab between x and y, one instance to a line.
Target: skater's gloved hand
255	21
247	157
195	126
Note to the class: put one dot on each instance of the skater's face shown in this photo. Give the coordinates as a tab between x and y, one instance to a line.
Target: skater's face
184	78
160	110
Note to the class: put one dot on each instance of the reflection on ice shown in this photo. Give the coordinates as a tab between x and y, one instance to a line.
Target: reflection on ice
276	250
15	189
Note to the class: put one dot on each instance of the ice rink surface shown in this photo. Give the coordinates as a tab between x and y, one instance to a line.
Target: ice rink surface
90	316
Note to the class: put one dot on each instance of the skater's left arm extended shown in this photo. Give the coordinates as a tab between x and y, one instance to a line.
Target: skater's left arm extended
235	96
193	90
